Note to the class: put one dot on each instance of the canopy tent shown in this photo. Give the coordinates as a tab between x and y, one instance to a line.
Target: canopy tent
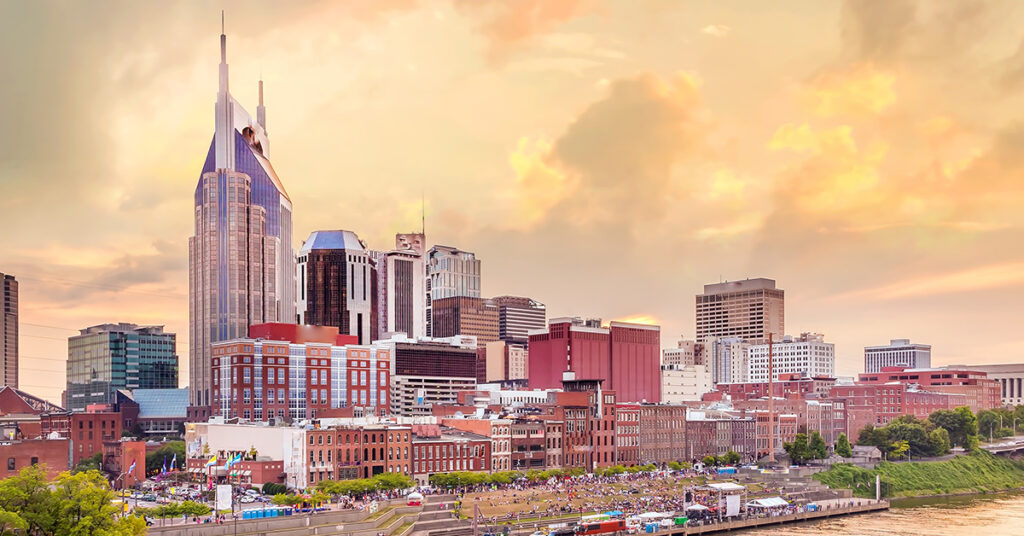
613	513
697	507
768	502
726	487
651	515
414	496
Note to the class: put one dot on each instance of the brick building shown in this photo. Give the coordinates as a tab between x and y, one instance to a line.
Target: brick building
662	433
439	449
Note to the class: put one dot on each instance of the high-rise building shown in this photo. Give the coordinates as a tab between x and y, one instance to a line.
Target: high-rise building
504	361
241	262
624	356
461	315
402	295
899	353
336	280
808	355
748	309
517	316
450	272
729	359
8	330
428	372
685	353
108	357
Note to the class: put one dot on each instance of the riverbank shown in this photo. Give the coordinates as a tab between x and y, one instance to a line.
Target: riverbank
978	472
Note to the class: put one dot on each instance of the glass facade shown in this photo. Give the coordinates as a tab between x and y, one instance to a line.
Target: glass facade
109	357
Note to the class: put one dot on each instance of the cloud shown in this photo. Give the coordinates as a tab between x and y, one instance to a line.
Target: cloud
716	30
541	183
509	22
859	91
999	275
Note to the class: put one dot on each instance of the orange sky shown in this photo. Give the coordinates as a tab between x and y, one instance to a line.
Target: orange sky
605	157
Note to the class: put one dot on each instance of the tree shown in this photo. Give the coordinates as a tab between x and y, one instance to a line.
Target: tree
732	457
80	503
817	450
938	439
899	449
709	460
92	463
273	488
155	459
960	423
393	481
843	447
798	450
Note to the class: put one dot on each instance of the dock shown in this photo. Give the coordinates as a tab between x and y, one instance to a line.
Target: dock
863	506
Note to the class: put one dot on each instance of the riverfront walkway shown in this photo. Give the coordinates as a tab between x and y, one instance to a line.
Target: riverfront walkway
860	506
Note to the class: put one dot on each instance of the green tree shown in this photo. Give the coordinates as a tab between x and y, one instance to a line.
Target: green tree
393	481
843	447
710	460
798	450
960	423
817	450
899	449
273	488
92	463
167	451
938	439
73	504
732	457
11	523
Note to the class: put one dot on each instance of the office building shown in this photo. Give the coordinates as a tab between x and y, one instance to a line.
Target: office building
1010	378
241	262
517	316
401	279
685	353
748	309
980	391
729	359
461	315
684	383
336	284
8	330
625	356
807	354
291	372
505	361
899	353
450	272
426	372
105	358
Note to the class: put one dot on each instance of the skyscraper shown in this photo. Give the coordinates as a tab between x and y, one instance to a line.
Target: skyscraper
450	272
241	262
517	316
749	309
108	357
8	330
401	278
898	353
459	315
336	284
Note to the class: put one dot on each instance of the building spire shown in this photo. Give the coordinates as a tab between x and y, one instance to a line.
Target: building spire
223	40
261	112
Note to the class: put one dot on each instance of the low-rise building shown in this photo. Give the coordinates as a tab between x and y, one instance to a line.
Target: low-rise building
439	449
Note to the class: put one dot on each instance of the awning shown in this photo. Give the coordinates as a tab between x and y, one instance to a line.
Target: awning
698	507
768	502
727	486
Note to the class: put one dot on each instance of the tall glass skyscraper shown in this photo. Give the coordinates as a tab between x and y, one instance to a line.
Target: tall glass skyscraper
241	261
108	357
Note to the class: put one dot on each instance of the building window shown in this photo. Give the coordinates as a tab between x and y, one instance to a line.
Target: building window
10	464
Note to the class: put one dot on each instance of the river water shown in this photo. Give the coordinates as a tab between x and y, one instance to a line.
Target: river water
979	515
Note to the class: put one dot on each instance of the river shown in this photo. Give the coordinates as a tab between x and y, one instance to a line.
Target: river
995	515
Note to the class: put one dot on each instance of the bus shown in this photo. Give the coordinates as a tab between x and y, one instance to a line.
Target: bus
602	527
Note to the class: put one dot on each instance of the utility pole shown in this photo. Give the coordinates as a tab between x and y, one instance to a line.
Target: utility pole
771	403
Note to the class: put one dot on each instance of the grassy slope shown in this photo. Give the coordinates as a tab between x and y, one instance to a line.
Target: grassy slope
977	472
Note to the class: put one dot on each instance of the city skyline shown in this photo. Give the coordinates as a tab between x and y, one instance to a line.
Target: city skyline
579	146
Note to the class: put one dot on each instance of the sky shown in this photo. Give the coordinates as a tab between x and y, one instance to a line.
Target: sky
606	157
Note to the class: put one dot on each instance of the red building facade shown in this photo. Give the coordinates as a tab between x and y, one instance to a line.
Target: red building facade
626	356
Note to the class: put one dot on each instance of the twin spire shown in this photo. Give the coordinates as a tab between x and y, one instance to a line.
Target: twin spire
261	111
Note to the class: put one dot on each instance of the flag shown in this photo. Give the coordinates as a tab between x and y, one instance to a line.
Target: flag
132	468
213	461
233	461
174	460
163	468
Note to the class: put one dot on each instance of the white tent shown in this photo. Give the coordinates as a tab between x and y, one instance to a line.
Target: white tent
768	502
697	507
726	487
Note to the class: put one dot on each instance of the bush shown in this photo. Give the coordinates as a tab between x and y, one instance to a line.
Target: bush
187	508
273	488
